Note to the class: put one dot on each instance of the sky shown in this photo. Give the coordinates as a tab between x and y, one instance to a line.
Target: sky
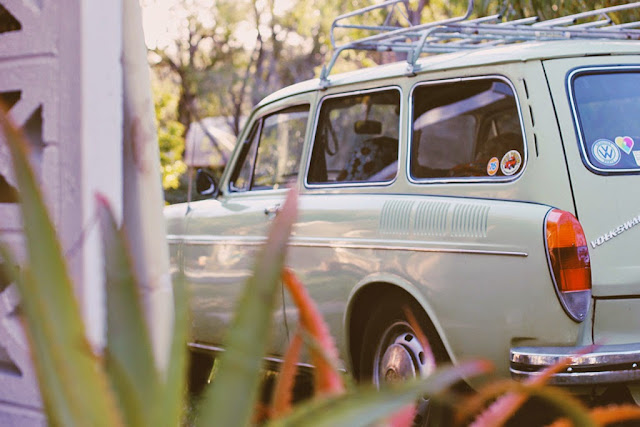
161	20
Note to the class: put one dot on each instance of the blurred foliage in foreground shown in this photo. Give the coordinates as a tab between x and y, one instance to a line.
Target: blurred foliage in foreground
123	387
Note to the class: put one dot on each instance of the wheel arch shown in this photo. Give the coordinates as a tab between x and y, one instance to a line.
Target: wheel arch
380	287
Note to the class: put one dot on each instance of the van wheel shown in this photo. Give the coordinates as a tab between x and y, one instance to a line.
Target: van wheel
200	365
392	352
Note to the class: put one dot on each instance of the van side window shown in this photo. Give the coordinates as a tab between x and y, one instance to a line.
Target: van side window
270	156
356	139
469	128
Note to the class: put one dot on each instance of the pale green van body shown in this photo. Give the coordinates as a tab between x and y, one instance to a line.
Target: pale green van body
470	253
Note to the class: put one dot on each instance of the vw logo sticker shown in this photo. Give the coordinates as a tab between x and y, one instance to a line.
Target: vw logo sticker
606	152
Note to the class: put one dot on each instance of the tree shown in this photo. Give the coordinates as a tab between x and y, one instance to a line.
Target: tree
170	135
222	62
290	45
204	43
205	40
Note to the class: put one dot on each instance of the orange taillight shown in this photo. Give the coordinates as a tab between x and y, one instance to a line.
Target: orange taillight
568	256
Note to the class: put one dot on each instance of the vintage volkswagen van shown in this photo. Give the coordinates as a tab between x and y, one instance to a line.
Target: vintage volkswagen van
493	190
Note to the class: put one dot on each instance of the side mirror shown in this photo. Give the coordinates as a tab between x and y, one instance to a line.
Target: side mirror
206	185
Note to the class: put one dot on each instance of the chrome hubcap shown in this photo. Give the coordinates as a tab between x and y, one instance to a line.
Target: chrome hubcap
397	364
400	356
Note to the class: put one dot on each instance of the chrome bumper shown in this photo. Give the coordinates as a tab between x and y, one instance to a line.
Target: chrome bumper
606	364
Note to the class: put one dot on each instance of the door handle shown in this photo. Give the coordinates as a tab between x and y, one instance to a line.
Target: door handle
272	211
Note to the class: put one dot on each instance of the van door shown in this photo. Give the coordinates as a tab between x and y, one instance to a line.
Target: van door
597	105
224	235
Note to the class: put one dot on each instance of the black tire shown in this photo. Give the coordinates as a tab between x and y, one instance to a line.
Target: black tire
200	365
389	333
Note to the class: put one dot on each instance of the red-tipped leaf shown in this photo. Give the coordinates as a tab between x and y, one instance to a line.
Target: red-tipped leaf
327	380
283	392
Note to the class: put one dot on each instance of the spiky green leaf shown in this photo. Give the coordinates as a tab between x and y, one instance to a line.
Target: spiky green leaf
367	405
74	388
566	404
129	357
175	385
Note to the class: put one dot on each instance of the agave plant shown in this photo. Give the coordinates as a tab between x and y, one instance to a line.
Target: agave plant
122	386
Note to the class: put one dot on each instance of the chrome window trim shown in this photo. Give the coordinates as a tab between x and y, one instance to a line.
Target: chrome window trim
465	180
232	188
312	141
577	126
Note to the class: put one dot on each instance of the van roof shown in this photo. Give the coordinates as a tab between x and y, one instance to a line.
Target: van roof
519	52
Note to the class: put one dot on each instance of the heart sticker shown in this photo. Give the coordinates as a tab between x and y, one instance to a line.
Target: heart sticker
625	143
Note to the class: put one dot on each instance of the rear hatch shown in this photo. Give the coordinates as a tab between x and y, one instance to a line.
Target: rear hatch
597	102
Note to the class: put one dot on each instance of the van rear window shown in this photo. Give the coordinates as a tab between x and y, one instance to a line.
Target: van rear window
606	104
466	129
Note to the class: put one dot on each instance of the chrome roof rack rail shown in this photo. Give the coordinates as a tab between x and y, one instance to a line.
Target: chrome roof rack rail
398	34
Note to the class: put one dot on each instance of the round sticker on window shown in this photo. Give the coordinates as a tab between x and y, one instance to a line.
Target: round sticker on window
510	162
606	152
492	166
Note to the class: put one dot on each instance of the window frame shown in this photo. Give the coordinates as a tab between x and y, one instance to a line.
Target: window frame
257	123
582	148
465	180
315	130
255	129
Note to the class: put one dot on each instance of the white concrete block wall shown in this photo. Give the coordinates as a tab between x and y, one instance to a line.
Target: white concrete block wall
65	62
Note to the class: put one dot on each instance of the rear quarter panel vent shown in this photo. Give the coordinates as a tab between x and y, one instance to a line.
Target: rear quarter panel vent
469	220
431	218
396	217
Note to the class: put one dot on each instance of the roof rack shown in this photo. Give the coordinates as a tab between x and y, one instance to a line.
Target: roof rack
463	33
